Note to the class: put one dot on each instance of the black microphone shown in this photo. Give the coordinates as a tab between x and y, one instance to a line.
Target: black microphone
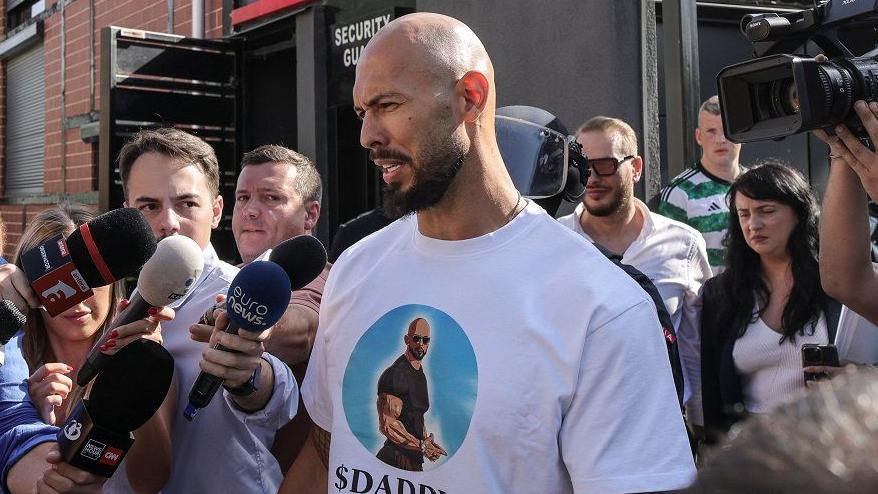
165	278
131	388
302	258
98	253
258	297
11	321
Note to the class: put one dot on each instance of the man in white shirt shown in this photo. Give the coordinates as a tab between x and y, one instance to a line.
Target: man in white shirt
173	178
670	253
531	387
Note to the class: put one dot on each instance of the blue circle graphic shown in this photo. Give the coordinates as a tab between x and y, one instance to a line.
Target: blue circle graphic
449	367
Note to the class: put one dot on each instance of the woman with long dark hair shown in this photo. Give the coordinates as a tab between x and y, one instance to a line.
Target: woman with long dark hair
768	302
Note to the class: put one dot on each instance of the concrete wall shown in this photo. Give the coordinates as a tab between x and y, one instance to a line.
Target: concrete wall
575	59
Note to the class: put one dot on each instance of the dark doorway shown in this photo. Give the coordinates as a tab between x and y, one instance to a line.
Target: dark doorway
269	115
353	179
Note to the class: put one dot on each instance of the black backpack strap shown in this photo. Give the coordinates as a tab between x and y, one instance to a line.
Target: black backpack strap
833	312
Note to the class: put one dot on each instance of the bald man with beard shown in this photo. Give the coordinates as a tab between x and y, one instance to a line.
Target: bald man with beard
573	389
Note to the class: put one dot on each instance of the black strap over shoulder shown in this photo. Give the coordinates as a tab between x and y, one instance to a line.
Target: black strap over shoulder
833	312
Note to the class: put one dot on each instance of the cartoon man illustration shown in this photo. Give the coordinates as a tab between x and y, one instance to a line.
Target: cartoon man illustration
402	402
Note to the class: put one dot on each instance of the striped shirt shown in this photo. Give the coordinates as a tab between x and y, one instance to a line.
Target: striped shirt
698	198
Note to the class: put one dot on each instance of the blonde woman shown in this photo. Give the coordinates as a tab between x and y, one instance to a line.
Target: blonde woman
56	347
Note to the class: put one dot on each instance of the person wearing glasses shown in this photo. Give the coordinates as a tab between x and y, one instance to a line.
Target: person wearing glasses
403	399
673	255
697	196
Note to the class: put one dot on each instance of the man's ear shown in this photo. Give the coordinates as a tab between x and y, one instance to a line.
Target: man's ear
476	90
637	165
312	214
217	211
698	136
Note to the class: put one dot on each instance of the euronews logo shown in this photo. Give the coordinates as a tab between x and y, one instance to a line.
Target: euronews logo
246	307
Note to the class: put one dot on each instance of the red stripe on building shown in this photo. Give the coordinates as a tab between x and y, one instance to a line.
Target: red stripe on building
263	8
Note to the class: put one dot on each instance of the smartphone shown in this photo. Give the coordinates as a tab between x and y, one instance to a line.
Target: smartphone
813	354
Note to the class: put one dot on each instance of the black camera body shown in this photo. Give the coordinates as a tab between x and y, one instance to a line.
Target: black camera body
781	94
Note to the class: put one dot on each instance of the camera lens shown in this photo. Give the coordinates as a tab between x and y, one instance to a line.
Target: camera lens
784	98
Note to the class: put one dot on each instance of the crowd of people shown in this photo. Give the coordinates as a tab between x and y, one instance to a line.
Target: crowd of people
476	343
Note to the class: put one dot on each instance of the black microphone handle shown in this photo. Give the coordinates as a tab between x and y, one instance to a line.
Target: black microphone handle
207	384
137	309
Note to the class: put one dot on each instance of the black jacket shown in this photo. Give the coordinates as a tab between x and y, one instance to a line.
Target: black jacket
721	392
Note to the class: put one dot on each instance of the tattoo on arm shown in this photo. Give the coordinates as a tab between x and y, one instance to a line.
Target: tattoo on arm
321	440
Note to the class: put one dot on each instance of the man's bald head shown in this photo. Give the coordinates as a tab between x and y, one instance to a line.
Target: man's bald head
448	45
439	45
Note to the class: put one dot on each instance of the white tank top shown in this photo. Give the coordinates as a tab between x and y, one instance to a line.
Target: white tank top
771	372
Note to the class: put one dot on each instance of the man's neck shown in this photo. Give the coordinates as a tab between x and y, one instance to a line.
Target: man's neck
727	172
478	202
415	363
615	231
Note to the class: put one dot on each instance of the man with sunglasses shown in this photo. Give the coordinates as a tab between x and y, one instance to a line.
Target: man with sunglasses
670	253
403	399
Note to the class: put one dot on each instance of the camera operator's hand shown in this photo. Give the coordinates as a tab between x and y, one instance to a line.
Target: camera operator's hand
846	147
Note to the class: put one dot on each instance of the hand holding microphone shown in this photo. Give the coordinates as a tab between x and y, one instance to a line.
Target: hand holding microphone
97	433
165	278
257	298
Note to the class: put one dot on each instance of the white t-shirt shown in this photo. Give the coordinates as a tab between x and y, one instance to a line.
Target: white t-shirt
546	371
674	257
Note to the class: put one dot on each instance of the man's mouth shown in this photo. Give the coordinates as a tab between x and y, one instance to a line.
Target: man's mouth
389	169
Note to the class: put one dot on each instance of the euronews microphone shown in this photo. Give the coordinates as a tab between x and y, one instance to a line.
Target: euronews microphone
257	298
98	253
131	388
165	278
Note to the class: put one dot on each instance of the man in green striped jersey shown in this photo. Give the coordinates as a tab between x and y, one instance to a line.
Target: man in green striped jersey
697	196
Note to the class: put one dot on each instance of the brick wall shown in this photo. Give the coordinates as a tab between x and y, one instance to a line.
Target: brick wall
80	175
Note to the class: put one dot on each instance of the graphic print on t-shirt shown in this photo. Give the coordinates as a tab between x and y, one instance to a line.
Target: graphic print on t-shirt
410	387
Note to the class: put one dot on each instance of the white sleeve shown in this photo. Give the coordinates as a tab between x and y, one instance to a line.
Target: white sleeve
623	430
689	332
315	389
281	407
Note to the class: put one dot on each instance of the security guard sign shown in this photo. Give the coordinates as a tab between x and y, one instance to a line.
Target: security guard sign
347	39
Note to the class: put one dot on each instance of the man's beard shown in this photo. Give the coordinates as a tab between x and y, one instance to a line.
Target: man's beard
432	176
620	201
417	353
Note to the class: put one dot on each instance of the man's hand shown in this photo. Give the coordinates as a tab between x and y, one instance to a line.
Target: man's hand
63	478
847	148
203	330
432	450
15	287
234	368
48	387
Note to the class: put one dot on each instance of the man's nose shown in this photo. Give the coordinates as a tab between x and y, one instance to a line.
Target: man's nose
372	135
169	223
252	208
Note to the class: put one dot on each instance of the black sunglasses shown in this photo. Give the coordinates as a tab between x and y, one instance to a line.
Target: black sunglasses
605	167
418	338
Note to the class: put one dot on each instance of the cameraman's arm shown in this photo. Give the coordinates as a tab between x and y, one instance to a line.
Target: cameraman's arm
846	270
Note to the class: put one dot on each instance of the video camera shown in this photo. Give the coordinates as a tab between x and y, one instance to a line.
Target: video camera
782	94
